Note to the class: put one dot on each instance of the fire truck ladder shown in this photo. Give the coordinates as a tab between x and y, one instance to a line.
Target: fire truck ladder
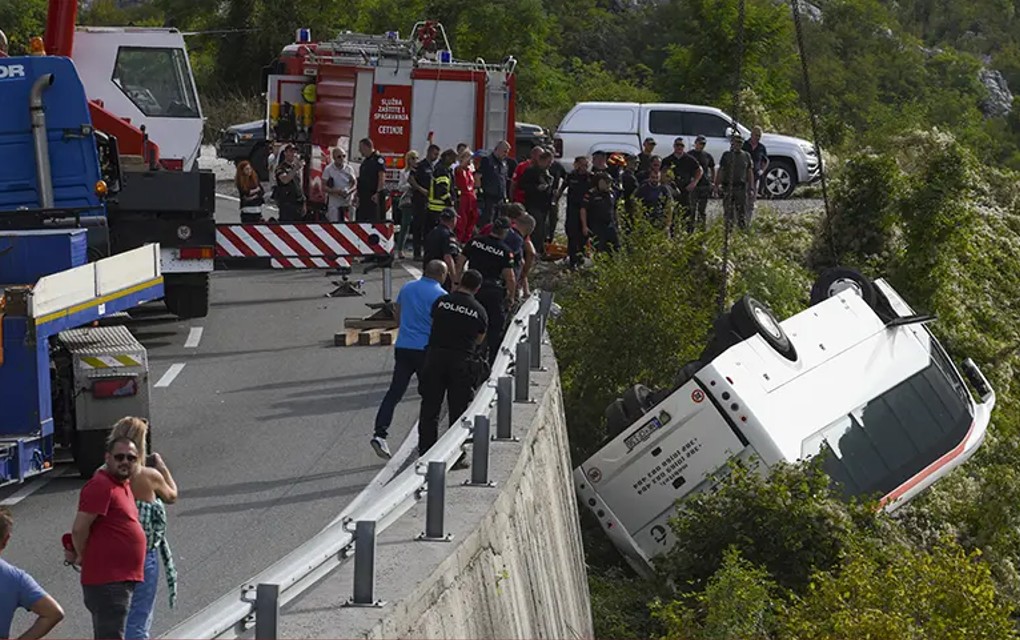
497	101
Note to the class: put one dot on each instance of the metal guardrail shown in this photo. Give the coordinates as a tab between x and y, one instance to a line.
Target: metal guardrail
257	601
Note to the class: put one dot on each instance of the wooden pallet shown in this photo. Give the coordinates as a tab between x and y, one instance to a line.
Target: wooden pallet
367	323
365	337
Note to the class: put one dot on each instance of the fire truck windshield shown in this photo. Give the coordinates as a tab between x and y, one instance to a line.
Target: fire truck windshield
157	80
879	446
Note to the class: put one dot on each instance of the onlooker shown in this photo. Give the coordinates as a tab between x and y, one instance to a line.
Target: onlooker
406	202
576	185
516	190
19	591
598	214
494	260
153	488
250	193
339	184
421	183
441	244
703	190
494	176
414	314
655	198
109	542
289	191
442	194
537	183
458	327
559	179
467	201
644	159
511	171
760	164
736	171
371	183
461	148
685	173
654	164
628	187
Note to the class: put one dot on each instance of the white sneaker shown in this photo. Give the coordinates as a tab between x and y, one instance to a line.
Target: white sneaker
381	448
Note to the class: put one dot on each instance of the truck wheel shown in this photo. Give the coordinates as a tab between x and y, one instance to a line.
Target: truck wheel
637	401
616	419
780	179
188	300
839	279
89	450
750	317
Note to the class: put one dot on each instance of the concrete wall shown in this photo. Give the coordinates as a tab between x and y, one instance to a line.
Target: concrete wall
514	569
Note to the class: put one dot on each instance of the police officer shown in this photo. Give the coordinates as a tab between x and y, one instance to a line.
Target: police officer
421	182
598	213
577	184
441	244
371	183
492	257
736	172
687	173
699	201
441	190
458	327
644	158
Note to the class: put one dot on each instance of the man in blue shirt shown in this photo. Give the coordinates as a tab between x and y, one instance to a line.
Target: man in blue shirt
414	313
19	591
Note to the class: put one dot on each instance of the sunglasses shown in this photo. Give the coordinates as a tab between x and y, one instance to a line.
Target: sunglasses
679	145
121	457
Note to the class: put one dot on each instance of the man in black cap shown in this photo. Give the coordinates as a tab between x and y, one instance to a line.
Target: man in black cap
458	327
686	173
441	244
644	159
492	257
699	200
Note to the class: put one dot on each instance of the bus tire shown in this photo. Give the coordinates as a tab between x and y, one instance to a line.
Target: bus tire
836	280
750	317
616	419
637	401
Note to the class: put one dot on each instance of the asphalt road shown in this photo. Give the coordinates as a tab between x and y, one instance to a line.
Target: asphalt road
265	427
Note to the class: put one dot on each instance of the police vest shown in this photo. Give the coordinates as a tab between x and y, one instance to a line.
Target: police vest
440	199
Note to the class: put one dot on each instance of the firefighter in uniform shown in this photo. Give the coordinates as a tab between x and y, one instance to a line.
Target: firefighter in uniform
736	172
442	194
492	257
598	213
458	327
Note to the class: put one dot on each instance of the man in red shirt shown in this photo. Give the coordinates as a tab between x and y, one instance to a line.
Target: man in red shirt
109	542
518	193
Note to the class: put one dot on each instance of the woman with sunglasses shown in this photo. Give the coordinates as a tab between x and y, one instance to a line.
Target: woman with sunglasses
153	487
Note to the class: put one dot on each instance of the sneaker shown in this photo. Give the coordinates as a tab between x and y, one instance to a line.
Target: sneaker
381	448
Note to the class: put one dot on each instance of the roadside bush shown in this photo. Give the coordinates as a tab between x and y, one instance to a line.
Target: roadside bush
944	594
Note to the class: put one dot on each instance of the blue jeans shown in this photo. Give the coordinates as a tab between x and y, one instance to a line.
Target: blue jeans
143	602
407	362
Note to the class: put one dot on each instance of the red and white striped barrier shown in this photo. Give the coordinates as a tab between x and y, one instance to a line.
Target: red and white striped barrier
304	245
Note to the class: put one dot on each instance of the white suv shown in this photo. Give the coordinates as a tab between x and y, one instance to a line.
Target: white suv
621	126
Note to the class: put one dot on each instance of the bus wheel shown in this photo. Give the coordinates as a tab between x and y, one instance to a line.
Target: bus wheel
837	280
750	317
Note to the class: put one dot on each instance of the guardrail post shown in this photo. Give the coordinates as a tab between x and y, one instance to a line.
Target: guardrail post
545	301
267	611
387	283
364	566
522	372
504	409
535	341
480	454
435	504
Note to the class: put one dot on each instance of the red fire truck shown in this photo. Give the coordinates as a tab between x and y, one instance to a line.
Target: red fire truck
403	94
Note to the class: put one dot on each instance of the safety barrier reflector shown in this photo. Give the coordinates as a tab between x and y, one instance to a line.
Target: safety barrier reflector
304	245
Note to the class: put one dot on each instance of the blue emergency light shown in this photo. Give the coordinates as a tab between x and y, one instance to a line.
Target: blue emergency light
393	35
304	35
446	56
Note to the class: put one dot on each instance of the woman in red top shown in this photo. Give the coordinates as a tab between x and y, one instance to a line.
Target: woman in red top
467	205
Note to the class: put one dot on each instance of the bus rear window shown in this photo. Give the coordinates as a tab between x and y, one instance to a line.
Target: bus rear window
882	444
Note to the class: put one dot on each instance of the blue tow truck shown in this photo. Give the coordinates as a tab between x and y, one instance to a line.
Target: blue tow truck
67	371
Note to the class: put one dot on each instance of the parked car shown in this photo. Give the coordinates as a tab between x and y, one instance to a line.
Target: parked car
247	141
621	126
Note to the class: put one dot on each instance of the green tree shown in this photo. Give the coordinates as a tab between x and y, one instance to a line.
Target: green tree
21	20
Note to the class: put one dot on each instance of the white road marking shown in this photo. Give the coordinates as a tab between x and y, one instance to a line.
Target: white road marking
194	337
413	270
170	375
238	200
31	487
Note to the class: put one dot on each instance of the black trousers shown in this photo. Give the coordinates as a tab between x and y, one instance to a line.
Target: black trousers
446	374
406	363
575	239
291	211
552	220
109	604
368	211
538	236
607	238
493	300
487	210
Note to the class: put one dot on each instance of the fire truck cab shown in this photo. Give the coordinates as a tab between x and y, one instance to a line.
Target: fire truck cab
403	94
